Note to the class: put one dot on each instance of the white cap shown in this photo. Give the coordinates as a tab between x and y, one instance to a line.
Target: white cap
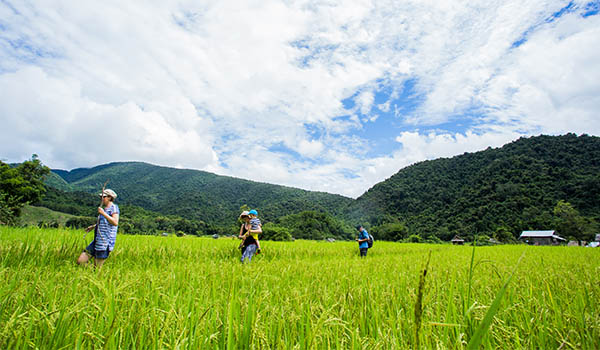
109	192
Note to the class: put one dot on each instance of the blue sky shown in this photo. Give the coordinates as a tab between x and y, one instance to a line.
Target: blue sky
326	96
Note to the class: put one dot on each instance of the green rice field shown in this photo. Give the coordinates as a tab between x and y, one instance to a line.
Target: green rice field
193	293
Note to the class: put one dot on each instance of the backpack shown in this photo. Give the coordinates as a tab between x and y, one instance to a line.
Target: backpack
370	241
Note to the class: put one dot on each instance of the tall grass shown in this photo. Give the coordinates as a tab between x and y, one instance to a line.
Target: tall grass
191	293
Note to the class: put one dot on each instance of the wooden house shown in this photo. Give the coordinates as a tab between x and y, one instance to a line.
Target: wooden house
457	240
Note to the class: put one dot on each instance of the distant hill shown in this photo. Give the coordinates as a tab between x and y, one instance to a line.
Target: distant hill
54	180
32	216
196	195
515	187
512	188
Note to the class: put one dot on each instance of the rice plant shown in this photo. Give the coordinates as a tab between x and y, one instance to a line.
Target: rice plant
192	293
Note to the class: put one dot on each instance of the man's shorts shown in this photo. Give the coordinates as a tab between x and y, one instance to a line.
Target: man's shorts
98	254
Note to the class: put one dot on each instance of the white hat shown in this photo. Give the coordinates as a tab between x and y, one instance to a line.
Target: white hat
109	192
244	213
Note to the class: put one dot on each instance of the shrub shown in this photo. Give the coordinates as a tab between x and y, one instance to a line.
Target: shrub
80	221
390	232
414	239
273	232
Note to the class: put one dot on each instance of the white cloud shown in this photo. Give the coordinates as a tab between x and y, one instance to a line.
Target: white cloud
76	130
417	147
550	84
384	107
219	85
364	101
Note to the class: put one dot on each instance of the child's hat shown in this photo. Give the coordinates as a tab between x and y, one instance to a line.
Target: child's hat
252	212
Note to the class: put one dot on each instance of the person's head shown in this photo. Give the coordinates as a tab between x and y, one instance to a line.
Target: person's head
244	216
253	213
108	196
359	228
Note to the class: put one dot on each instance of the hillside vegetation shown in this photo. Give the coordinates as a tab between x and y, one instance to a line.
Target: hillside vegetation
40	216
190	195
544	182
512	188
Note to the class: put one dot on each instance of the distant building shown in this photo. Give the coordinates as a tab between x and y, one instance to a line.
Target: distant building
457	240
493	241
548	237
215	236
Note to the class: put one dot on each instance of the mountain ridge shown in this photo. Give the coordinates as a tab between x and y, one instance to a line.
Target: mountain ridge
513	187
509	188
196	194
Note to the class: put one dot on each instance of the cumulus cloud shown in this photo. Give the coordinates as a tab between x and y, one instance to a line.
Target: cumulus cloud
77	130
257	89
550	83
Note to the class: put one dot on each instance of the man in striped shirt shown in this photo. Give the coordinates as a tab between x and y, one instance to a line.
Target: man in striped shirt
105	231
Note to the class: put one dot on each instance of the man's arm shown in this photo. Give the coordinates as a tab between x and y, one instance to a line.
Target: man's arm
362	240
113	220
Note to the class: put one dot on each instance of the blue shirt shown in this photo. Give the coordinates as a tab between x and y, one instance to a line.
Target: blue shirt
254	223
106	234
363	235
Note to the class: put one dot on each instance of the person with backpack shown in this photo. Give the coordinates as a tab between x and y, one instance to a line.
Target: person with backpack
363	240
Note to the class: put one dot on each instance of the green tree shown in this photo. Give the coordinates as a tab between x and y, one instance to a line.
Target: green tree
414	239
20	185
390	232
569	223
504	235
314	225
273	232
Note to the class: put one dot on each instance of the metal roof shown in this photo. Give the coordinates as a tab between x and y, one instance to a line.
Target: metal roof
549	233
541	234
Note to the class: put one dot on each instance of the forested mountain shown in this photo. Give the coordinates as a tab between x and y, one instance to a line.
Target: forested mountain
496	192
196	195
512	188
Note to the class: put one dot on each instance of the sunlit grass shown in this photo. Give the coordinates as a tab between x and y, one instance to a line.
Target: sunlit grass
190	293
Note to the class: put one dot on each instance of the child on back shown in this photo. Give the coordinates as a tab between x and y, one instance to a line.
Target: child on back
255	227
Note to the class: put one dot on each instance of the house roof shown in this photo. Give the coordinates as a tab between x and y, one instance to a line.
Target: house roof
548	233
457	239
541	234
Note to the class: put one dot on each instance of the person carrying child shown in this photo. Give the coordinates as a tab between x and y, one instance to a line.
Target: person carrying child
245	219
250	238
